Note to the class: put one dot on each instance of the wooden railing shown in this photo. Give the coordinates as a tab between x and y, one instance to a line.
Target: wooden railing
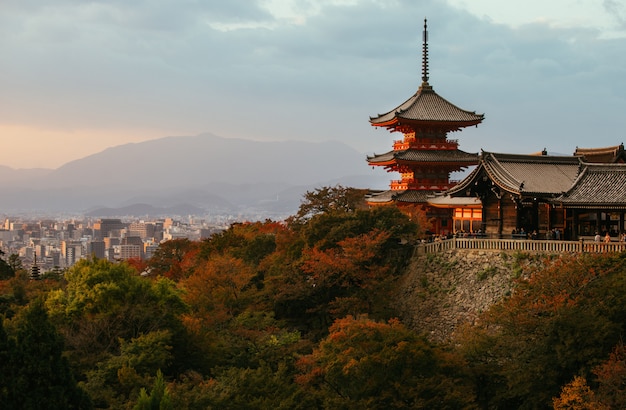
522	245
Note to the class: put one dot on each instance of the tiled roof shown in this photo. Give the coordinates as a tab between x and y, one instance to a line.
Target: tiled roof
602	155
599	185
446	201
525	174
381	197
409	195
414	196
425	156
426	105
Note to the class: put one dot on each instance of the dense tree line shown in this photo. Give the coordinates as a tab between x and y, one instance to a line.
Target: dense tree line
301	315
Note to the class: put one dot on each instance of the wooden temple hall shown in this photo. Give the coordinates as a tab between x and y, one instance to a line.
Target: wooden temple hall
546	196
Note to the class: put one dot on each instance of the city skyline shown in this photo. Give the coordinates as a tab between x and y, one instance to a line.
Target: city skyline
80	78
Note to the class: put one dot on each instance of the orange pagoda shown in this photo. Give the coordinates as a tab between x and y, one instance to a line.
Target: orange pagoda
425	157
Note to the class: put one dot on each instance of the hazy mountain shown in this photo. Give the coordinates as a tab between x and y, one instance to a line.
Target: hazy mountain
206	172
16	177
203	159
145	210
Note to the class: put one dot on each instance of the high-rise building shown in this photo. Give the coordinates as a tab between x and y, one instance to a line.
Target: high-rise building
96	249
104	227
130	251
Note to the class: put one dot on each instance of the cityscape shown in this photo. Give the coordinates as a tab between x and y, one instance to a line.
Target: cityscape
51	244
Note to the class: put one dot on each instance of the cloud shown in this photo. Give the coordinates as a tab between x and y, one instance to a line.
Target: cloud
315	71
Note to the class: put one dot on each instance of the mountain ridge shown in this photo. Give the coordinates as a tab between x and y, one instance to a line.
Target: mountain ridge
205	171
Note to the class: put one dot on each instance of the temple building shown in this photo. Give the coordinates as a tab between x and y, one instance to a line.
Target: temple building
425	156
538	195
608	155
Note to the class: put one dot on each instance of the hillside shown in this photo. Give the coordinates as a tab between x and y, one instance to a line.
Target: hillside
329	310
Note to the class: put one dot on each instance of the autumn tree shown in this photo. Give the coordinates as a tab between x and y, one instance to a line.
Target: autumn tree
367	364
173	259
557	324
347	265
577	395
215	293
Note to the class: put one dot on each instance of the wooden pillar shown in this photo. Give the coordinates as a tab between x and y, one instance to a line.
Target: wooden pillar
500	217
549	212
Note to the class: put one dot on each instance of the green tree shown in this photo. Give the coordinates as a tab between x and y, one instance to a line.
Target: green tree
327	200
40	375
120	377
104	303
6	270
15	262
158	399
6	364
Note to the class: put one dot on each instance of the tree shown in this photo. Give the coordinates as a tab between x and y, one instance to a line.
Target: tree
577	396
6	270
6	364
158	399
216	293
120	377
326	200
367	364
15	262
104	302
347	265
556	325
611	379
40	375
172	259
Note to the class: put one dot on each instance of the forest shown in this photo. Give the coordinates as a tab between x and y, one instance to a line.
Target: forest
300	314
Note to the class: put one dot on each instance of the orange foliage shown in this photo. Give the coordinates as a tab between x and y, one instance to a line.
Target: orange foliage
546	292
137	264
213	292
611	377
577	395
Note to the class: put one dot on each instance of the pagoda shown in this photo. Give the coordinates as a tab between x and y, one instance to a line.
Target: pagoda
425	157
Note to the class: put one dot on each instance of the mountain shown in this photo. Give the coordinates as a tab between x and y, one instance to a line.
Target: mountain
16	177
203	172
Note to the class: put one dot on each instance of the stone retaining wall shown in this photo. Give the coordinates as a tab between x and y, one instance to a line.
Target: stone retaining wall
441	292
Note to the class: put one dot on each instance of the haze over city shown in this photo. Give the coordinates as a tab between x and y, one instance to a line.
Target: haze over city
78	78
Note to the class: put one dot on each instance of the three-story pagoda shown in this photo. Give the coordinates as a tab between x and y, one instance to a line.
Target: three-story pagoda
425	157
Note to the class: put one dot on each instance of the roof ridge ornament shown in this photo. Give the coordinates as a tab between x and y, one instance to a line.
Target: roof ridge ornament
425	54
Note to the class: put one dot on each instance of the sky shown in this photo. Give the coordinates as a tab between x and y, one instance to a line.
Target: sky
79	76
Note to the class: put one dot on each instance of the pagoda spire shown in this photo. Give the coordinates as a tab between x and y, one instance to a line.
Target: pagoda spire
425	56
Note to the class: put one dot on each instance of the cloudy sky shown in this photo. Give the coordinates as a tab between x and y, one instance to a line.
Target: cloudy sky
79	76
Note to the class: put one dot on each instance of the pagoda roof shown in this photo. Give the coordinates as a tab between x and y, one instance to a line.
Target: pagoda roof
446	201
426	108
523	175
611	154
424	156
381	197
597	186
408	195
415	196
